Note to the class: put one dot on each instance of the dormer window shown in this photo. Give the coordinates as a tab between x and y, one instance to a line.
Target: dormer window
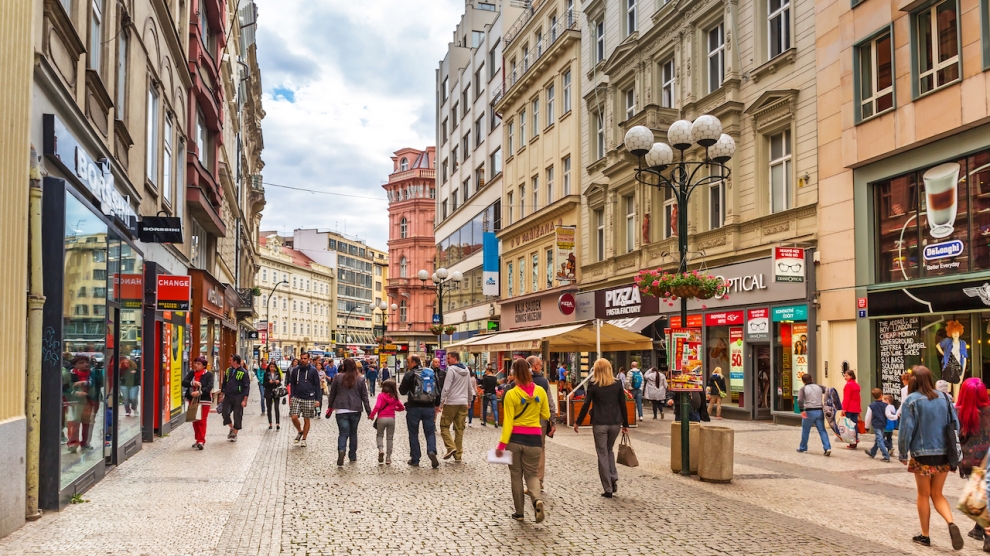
403	165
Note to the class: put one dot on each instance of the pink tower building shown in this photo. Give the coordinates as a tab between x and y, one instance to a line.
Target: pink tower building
411	247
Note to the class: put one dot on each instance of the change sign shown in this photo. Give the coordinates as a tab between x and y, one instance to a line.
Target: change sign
173	293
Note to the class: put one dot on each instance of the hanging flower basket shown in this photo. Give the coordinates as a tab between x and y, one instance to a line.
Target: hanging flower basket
449	330
688	285
436	329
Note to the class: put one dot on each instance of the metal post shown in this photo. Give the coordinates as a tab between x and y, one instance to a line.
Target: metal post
440	312
682	245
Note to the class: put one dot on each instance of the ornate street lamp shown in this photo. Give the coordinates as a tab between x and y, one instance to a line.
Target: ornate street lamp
384	307
443	282
268	316
681	178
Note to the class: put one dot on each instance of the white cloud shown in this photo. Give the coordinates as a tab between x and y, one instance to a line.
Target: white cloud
360	76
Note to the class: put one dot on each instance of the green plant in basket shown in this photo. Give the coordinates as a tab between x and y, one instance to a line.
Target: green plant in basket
669	286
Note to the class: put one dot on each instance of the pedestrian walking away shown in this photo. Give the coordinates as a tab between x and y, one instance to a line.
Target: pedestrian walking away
548	426
621	377
455	395
199	384
130	379
235	390
811	402
876	416
372	377
489	397
273	382
259	375
383	417
304	389
851	404
716	392
973	408
656	389
636	387
927	419
474	394
608	419
526	406
348	393
423	398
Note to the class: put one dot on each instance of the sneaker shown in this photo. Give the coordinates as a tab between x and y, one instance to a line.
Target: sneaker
662	418
852	446
199	446
540	514
872	456
977	533
449	453
279	427
340	458
922	540
957	540
230	434
381	457
800	451
885	460
607	494
828	453
233	438
298	438
302	443
269	427
434	460
195	444
388	461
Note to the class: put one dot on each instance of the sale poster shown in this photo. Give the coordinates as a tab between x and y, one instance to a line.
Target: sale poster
799	358
736	359
166	371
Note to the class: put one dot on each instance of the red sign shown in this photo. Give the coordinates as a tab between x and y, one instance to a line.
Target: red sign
693	321
263	336
566	303
173	293
757	314
861	303
131	288
724	319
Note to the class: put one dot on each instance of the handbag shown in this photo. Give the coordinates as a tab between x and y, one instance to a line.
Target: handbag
281	392
192	412
952	371
973	500
952	450
627	456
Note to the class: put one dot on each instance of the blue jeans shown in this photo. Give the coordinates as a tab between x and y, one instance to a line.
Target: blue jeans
132	398
470	412
815	418
347	425
427	416
493	401
638	396
371	387
881	443
261	398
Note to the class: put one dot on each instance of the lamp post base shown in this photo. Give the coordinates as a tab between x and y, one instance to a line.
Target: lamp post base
686	434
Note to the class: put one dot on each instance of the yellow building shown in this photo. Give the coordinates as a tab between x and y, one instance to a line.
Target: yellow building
541	136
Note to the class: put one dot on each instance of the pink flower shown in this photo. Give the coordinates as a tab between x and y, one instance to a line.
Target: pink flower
704	306
725	297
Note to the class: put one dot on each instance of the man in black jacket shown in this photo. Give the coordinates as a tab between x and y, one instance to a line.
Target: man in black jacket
236	387
420	412
304	391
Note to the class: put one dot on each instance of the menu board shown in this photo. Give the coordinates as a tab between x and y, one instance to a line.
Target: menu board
900	348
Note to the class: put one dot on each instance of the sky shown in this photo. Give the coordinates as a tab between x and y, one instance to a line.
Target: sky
346	84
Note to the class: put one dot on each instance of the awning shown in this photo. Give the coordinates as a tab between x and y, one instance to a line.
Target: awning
468	342
634	324
572	337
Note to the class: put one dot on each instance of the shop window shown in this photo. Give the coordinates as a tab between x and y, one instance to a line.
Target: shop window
904	342
790	358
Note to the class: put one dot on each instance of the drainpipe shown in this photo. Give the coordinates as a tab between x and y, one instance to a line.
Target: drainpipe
36	303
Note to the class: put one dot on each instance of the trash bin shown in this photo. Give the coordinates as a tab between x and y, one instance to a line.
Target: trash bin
717	454
675	446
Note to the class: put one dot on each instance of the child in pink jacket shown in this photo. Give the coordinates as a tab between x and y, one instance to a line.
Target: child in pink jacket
385	407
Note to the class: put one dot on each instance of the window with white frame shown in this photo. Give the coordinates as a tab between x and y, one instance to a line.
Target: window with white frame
549	268
550	186
566	80
536	117
669	213
535	271
522	129
522	202
599	135
403	227
508	203
668	95
536	192
778	27
454	200
538	41
202	138
599	234
96	35
780	171
510	129
630	17
937	46
264	274
403	165
508	272
167	162
629	203
403	268
403	311
599	40
466	144
553	27
630	100
876	76
522	276
494	61
496	162
445	88
550	99
716	204
525	57
716	57
152	163
566	163
465	190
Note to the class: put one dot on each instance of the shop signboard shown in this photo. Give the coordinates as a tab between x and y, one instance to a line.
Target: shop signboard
799	351
173	292
492	326
736	359
725	318
788	264
130	290
790	313
586	305
566	303
749	283
758	324
489	264
263	336
900	347
624	301
693	321
973	295
566	261
160	229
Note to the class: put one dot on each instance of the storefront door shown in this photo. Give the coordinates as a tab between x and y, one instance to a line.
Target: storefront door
760	355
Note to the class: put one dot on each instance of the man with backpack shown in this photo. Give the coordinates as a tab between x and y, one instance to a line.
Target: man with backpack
422	389
455	396
236	387
636	387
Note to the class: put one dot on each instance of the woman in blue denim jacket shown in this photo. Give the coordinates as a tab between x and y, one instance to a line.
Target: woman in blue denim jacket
926	412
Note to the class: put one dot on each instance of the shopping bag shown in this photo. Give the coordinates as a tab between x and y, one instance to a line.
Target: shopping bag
192	412
846	429
973	500
627	456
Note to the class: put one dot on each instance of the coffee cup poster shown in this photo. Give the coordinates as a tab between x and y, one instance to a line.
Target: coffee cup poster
943	243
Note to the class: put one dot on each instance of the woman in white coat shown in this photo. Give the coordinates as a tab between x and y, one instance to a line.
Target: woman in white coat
656	389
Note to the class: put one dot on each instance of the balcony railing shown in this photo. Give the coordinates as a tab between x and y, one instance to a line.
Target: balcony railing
428	173
542	46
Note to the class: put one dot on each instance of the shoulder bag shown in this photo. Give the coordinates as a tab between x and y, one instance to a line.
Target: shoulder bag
973	500
192	412
952	450
626	456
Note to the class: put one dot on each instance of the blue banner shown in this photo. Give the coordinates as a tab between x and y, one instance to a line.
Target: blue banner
489	265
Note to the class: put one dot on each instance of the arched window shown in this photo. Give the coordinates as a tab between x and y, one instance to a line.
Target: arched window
403	228
402	267
403	165
402	311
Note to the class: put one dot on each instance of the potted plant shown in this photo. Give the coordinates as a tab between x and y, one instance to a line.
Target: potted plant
449	329
436	329
670	286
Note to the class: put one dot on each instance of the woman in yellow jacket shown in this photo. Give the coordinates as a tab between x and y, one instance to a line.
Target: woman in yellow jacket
522	434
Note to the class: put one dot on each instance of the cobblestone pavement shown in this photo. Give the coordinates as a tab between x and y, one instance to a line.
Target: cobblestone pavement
262	495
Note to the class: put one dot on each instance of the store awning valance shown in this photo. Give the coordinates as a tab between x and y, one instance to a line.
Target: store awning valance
572	337
634	324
